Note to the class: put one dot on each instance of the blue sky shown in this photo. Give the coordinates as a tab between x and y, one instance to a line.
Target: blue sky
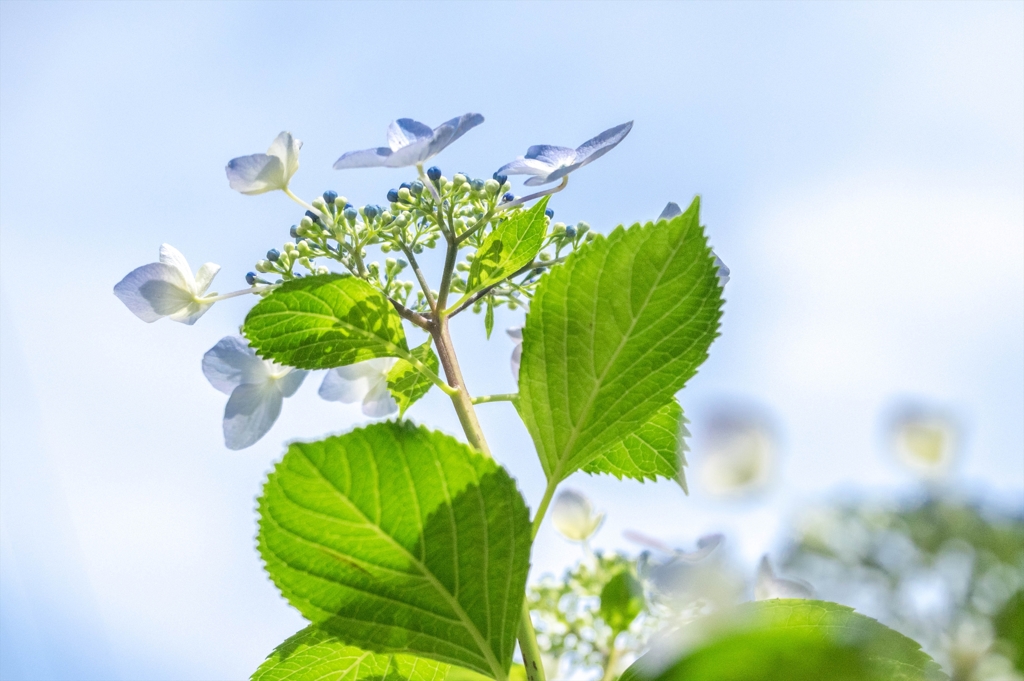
861	167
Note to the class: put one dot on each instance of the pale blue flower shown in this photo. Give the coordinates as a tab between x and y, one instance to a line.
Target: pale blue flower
672	210
573	516
364	382
548	163
410	143
769	586
257	388
168	289
260	173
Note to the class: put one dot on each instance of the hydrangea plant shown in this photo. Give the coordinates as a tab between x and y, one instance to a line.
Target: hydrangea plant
406	549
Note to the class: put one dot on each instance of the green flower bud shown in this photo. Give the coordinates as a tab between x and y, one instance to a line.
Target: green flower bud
261	266
304	249
390	263
404	195
306	263
459	179
582	227
306	223
322	270
492	187
340	202
386	247
319	204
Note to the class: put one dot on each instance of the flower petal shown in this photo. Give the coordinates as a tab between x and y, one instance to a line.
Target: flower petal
191	313
556	157
410	155
291	381
251	411
256	174
769	586
338	388
573	516
378	402
405	131
723	270
286	148
154	291
231	362
365	158
596	147
525	166
517	358
205	275
705	545
451	130
672	209
169	255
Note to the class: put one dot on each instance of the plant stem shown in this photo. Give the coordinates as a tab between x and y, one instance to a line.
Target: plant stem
538	518
528	646
504	397
612	662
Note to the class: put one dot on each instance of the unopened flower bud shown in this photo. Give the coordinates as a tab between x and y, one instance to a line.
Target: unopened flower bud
312	216
289	247
570	232
273	255
500	179
434	173
371	211
322	270
306	263
303	248
305	223
351	213
405	195
329	196
492	187
250	278
550	213
582	227
393	195
416	188
262	266
459	179
477	185
508	197
319	204
574	517
294	232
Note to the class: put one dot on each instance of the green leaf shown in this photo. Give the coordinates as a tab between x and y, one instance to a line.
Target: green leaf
611	336
407	383
655	449
314	654
489	317
397	539
622	599
1009	626
799	640
325	321
510	247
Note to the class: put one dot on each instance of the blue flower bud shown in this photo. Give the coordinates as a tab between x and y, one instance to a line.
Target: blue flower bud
550	213
329	196
434	173
294	232
370	211
393	195
250	278
273	254
509	196
405	185
500	179
570	232
350	212
312	216
416	188
477	185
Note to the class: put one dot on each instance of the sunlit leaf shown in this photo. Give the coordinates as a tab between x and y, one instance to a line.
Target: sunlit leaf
510	247
407	383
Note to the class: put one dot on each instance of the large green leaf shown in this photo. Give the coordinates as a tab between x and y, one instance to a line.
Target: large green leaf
510	247
1009	626
314	654
325	321
798	640
398	539
612	335
407	383
655	449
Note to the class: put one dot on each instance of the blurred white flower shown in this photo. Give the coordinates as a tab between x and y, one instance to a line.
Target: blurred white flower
739	454
168	289
671	210
365	382
769	586
410	143
516	334
925	440
260	173
257	388
549	163
573	516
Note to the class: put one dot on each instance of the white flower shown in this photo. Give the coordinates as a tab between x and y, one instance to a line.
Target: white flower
740	454
410	143
365	382
672	210
769	586
516	334
261	173
257	388
549	163
574	517
168	289
925	440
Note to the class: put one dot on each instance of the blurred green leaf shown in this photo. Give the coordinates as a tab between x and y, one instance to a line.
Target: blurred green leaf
622	599
396	539
1009	629
799	640
325	321
316	655
407	383
612	334
511	246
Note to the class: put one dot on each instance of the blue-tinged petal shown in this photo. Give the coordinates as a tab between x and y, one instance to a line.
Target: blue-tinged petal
291	381
251	411
410	155
671	210
231	362
204	277
525	166
378	402
338	388
153	291
286	148
453	129
554	175
556	157
191	313
596	147
723	270
365	158
406	131
256	174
